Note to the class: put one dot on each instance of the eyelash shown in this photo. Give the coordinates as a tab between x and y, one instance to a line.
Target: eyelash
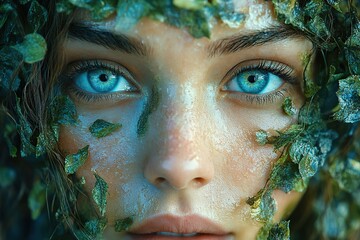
279	69
88	65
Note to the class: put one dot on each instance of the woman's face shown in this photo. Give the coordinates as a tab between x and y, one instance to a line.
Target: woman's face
186	158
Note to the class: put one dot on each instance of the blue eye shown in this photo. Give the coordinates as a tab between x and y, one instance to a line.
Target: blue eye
101	80
257	81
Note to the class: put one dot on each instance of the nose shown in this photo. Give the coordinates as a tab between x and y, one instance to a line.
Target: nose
179	157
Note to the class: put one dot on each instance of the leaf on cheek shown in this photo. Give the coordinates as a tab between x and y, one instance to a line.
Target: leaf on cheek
74	161
288	107
101	128
263	206
99	194
123	224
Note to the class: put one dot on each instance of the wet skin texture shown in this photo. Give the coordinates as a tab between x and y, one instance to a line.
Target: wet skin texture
196	153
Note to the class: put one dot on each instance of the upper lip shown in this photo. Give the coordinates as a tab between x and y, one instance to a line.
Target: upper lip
178	224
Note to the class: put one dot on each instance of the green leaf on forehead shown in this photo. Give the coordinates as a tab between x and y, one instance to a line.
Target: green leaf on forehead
99	194
285	176
352	51
37	15
290	12
228	15
63	111
347	173
261	137
7	177
130	12
33	48
36	199
103	9
123	224
349	99
96	227
288	106
101	128
262	205
286	137
190	5
74	161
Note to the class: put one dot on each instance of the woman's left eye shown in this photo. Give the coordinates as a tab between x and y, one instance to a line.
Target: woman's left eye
256	81
102	81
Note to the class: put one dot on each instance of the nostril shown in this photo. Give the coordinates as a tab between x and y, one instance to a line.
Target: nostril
159	180
199	181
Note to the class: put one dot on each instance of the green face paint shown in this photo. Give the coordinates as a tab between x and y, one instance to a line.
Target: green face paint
149	107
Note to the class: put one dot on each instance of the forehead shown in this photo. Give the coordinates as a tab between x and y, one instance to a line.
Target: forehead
258	15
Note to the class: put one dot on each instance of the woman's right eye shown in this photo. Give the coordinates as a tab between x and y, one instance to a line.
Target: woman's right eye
102	81
98	78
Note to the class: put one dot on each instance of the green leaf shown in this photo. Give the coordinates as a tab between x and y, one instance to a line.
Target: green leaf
99	194
7	176
5	10
280	231
40	145
290	12
287	136
261	137
74	161
123	224
36	200
346	172
26	132
63	111
33	48
130	12
96	227
190	4
263	206
352	51
37	15
288	106
229	15
349	100
101	128
285	176
11	60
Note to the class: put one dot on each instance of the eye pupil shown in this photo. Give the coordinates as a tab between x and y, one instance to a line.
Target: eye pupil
103	77
252	79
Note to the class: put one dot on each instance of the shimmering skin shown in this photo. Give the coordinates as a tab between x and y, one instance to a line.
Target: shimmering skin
199	154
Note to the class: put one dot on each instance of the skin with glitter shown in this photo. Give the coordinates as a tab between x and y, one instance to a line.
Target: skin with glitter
198	153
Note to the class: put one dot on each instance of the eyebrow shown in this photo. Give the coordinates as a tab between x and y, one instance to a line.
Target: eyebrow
118	41
242	41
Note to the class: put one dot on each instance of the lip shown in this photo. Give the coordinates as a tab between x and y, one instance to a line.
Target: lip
205	228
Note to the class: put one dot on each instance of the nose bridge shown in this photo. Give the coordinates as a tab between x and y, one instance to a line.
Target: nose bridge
179	158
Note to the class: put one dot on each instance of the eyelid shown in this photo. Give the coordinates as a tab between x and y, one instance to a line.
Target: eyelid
77	67
285	72
282	70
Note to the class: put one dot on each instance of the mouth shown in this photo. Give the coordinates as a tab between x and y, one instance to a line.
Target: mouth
170	227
